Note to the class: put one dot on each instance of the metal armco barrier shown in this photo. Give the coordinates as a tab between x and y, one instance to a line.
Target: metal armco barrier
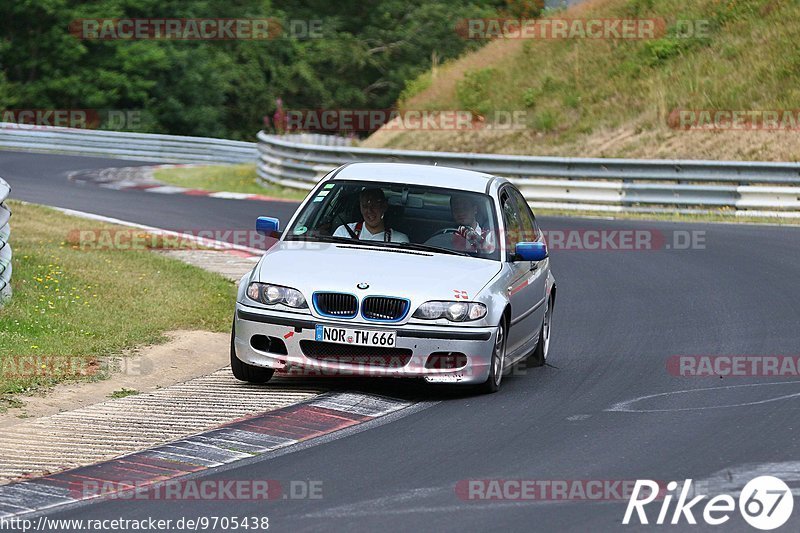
740	188
5	247
120	144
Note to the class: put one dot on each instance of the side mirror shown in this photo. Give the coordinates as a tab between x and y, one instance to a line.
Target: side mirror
267	226
531	251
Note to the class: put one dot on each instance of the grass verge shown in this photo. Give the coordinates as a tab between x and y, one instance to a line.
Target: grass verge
617	97
72	307
227	178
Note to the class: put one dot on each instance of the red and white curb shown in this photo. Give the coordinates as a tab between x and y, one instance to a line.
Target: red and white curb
236	441
171	189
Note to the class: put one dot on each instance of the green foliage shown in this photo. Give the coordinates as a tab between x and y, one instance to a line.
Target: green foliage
363	58
636	8
659	51
472	90
416	85
123	393
707	54
571	100
676	42
523	8
726	11
545	121
529	97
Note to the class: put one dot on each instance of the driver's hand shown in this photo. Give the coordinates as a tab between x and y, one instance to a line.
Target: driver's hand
469	233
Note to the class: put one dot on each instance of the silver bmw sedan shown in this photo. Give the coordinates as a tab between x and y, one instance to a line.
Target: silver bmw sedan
397	270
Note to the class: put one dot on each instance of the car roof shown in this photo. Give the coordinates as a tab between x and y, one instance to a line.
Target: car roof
434	176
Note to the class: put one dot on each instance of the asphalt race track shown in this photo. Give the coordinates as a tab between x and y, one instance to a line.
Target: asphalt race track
620	315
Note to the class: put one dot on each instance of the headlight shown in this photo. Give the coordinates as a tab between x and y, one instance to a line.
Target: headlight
275	294
452	311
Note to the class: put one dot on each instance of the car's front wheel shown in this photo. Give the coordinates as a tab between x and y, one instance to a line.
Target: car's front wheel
244	372
492	383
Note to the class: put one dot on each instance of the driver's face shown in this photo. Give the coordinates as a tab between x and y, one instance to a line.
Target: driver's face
372	209
464	211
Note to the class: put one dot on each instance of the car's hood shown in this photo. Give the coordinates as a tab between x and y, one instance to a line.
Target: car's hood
418	276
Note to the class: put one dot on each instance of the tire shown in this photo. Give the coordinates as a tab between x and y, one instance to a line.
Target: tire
539	355
493	381
249	373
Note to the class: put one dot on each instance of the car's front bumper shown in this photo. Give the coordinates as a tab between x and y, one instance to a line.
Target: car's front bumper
474	342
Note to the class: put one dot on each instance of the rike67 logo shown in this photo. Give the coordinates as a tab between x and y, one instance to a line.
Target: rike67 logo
765	503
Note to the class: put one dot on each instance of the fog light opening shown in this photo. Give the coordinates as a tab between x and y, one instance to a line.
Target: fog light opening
446	361
262	343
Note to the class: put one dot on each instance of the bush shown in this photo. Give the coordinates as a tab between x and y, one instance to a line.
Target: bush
415	86
545	121
530	96
473	90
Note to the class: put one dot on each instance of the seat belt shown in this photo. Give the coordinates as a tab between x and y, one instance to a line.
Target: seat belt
387	234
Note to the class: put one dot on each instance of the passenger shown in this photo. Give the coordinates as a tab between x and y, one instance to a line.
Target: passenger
465	211
373	208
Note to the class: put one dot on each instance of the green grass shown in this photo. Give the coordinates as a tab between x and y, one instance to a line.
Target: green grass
228	178
575	90
73	307
123	393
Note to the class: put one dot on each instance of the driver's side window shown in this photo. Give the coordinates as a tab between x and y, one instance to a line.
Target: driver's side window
337	208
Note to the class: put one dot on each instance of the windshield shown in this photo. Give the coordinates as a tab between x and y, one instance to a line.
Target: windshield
400	215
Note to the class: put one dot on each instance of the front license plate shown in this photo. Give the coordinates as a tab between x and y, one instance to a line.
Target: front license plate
358	337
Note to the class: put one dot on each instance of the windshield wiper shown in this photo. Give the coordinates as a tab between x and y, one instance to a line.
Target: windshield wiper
430	248
405	245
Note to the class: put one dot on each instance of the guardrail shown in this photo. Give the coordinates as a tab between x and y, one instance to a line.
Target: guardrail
120	144
5	247
589	184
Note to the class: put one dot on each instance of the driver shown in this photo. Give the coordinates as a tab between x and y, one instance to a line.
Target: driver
373	208
465	211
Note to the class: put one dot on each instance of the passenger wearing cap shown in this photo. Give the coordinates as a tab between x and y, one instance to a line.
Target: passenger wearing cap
373	206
